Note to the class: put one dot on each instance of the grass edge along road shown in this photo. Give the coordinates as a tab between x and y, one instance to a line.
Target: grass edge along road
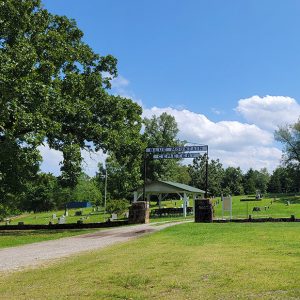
188	261
12	238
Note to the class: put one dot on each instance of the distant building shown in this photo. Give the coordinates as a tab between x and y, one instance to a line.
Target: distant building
83	204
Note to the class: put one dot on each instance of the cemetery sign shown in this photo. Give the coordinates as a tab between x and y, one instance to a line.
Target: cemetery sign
178	152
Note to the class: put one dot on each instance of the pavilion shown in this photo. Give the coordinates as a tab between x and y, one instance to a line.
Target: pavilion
161	188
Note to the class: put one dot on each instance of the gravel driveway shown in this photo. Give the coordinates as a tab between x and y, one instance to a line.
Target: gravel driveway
35	254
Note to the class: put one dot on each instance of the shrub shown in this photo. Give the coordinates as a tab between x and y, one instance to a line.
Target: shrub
117	206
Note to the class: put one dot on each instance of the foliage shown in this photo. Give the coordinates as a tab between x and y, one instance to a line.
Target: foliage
121	178
284	180
40	194
117	206
87	190
197	173
52	90
181	174
161	131
249	182
289	136
256	181
232	181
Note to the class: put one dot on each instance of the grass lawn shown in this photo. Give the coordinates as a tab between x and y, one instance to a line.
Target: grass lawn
12	238
188	261
88	216
270	206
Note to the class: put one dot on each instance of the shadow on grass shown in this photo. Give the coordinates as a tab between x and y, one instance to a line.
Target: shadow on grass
292	200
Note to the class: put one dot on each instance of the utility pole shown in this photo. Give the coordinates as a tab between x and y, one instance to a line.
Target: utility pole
105	188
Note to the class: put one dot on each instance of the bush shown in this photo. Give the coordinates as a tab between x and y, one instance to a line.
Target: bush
117	206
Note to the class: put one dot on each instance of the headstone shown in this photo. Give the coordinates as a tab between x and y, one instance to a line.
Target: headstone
114	217
67	214
62	220
53	216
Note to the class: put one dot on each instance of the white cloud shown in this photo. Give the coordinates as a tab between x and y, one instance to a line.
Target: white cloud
119	82
91	160
234	143
226	134
250	157
216	111
52	159
120	87
269	112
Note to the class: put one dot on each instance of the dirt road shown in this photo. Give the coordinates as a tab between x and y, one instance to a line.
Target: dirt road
35	254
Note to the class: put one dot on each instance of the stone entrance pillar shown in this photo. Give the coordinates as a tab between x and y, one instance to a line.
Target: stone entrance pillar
139	213
203	211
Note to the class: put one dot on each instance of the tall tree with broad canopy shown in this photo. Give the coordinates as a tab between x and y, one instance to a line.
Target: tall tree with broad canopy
161	131
233	181
52	90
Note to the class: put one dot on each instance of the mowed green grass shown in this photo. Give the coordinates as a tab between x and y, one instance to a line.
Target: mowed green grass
274	206
11	238
188	261
88	216
270	206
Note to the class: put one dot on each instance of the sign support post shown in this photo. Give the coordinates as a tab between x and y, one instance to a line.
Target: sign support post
206	174
145	175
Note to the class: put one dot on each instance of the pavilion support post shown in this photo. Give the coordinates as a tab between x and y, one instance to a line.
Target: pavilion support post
194	200
184	204
159	200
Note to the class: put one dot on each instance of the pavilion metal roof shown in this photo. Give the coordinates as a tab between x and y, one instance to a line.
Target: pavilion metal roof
162	186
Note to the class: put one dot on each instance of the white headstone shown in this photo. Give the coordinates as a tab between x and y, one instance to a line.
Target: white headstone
62	220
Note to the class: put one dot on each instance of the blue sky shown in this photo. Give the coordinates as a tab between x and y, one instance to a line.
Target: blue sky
197	60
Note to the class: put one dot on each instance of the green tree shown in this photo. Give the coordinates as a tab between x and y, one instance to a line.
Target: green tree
121	178
40	194
249	182
197	173
289	136
284	180
161	131
52	90
233	181
87	190
261	180
274	185
181	174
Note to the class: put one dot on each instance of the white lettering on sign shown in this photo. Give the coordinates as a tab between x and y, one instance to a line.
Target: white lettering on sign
177	149
176	155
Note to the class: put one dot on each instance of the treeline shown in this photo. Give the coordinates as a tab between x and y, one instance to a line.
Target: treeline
233	181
